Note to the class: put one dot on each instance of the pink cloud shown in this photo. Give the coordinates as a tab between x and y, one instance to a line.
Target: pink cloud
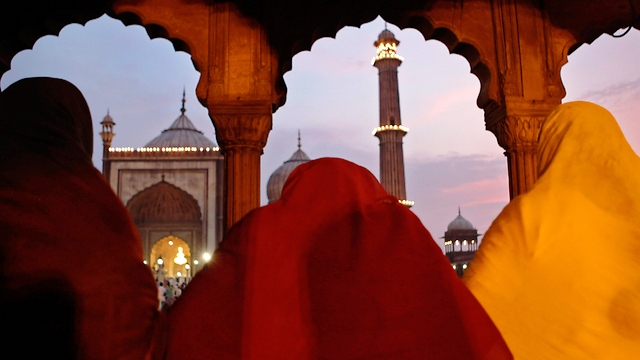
445	102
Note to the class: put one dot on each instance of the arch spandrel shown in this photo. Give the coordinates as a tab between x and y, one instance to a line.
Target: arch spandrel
185	24
477	53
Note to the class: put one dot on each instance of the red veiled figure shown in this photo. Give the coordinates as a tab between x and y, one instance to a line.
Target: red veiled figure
336	269
73	284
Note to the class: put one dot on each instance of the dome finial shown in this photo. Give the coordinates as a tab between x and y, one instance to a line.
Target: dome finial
182	110
299	145
458	209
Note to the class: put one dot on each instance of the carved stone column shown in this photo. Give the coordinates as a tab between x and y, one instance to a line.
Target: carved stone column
518	135
530	52
241	131
240	93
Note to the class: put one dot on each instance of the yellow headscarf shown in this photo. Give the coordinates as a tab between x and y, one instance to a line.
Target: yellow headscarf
559	270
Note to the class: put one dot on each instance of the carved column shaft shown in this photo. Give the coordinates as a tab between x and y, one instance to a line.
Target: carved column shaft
239	90
530	52
242	132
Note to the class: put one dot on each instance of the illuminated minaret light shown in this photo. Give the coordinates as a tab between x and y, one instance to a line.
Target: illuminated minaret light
390	131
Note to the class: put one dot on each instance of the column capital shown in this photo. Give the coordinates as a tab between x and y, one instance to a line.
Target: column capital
516	127
518	132
246	124
242	128
517	123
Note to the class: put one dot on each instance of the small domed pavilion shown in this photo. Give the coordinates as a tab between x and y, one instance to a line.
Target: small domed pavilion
460	243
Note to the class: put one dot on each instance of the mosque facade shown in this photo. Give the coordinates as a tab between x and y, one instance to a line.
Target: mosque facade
460	243
172	188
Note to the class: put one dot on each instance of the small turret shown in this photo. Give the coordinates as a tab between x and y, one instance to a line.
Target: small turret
107	136
107	130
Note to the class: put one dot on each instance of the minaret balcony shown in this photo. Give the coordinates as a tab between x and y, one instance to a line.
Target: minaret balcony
390	128
386	50
407	203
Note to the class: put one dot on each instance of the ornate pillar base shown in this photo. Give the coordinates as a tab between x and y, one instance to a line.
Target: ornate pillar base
241	130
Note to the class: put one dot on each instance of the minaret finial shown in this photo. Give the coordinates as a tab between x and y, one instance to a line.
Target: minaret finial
107	111
458	209
299	145
385	25
182	110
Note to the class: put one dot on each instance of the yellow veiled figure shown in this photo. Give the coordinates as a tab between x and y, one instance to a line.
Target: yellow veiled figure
558	271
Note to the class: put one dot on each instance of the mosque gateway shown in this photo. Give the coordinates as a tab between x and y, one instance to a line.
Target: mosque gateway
172	188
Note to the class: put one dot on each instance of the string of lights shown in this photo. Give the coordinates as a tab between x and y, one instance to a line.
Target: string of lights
386	51
163	149
390	127
408	203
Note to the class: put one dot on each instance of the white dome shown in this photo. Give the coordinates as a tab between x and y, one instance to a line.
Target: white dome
182	133
460	223
279	177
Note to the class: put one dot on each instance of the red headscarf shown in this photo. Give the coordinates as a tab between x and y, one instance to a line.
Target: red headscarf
73	284
336	268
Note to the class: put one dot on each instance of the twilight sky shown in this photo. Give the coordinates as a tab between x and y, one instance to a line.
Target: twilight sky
450	158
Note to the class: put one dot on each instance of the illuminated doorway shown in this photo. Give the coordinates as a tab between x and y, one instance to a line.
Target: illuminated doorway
171	258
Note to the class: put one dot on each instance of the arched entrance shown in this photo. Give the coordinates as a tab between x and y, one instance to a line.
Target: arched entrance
171	257
166	215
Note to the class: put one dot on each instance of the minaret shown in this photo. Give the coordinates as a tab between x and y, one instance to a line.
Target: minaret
107	135
390	131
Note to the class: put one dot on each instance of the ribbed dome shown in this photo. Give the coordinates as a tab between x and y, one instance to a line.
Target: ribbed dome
182	133
460	223
279	177
108	120
164	203
386	34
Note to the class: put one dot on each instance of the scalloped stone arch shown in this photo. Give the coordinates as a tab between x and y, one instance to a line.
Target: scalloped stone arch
446	35
54	24
154	31
243	48
330	28
328	22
